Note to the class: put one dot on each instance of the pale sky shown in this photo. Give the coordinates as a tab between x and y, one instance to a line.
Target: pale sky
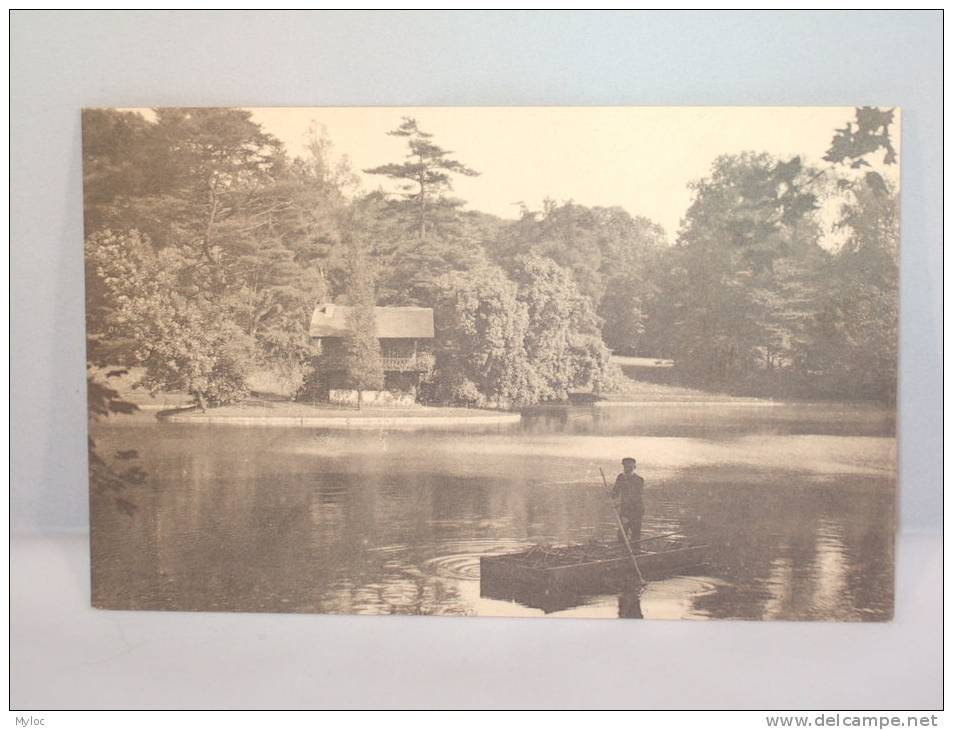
639	158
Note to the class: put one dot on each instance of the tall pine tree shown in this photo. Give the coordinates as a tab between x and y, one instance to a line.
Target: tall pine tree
424	178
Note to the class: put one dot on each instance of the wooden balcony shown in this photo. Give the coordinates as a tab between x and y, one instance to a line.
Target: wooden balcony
403	364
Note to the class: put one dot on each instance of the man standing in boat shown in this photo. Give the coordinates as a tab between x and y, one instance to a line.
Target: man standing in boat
627	494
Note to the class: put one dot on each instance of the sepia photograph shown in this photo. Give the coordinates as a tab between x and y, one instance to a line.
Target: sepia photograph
596	362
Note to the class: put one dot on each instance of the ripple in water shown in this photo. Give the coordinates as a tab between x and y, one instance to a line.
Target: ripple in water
674	598
462	558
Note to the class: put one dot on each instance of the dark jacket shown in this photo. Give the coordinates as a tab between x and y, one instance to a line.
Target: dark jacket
628	490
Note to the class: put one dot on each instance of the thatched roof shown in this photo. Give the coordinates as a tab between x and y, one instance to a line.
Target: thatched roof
330	320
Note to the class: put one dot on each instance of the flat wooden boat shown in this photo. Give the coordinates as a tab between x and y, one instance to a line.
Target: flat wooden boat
546	575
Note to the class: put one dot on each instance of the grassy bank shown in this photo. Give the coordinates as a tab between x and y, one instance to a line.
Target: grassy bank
642	390
260	410
651	379
257	406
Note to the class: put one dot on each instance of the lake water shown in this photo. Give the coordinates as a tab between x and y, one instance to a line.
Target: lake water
796	501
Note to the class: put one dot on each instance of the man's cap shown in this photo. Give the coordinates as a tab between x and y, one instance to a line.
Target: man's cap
628	459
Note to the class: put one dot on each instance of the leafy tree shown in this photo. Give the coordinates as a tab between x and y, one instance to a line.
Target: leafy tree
592	366
209	249
479	350
609	252
410	268
111	477
275	274
218	161
852	144
721	306
118	152
177	178
563	347
282	251
748	296
363	365
568	234
520	341
251	236
623	310
185	339
854	345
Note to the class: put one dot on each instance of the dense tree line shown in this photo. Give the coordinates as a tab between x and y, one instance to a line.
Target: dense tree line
208	248
748	300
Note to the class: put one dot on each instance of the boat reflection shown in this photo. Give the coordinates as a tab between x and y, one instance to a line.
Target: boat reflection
628	600
798	512
630	604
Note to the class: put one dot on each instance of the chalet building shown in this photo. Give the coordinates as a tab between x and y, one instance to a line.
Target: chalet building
405	334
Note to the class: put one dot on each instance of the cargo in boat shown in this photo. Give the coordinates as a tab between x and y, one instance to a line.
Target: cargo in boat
544	576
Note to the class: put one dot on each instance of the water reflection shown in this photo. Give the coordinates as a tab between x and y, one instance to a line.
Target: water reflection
630	603
712	419
830	569
798	513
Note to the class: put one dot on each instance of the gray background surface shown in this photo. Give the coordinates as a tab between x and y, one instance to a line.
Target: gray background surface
62	61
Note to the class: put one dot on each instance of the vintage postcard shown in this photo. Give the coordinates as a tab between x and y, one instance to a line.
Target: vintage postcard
592	362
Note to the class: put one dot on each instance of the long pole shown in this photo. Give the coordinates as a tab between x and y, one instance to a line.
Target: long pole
625	537
658	537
